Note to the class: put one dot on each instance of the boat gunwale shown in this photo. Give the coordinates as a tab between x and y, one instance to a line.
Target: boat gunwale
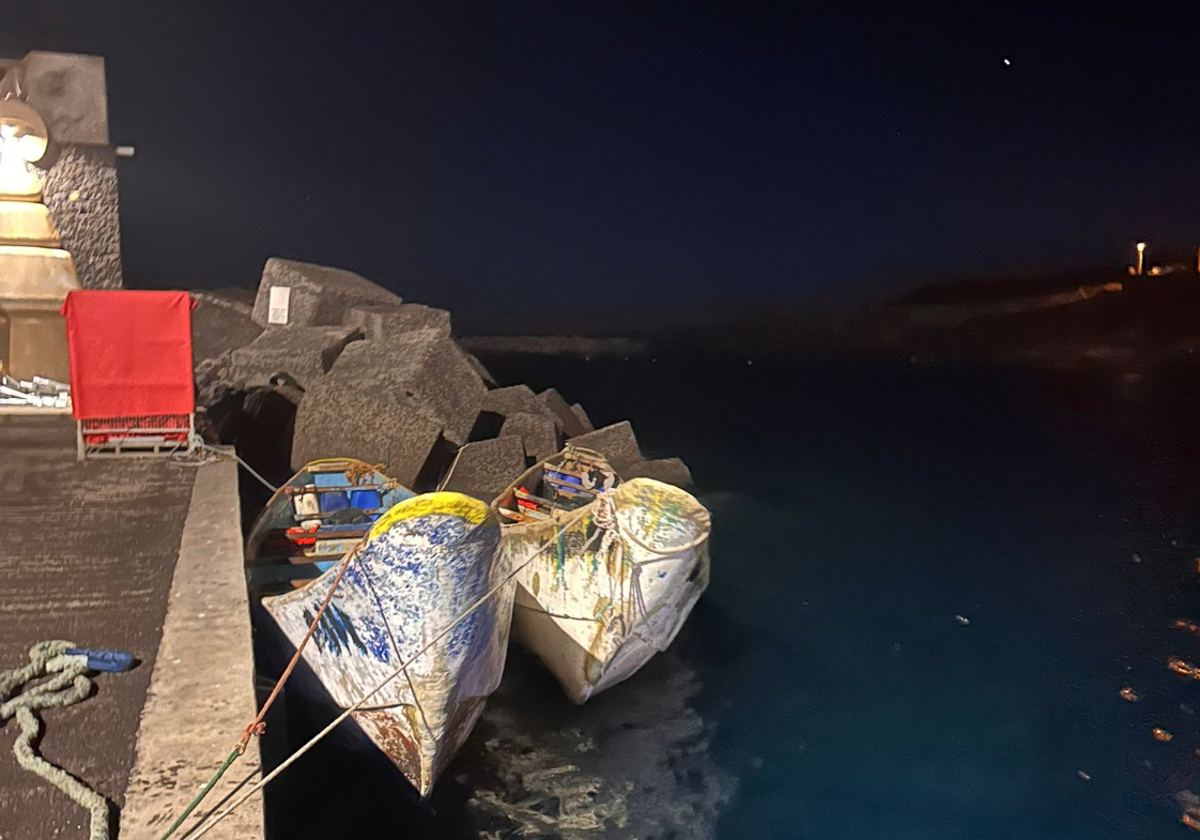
529	527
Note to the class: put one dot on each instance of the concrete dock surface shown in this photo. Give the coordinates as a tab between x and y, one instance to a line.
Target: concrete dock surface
88	553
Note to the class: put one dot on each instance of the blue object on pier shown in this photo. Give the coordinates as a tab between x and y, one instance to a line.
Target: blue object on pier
104	660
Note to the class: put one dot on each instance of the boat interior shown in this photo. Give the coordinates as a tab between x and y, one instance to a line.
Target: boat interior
559	485
318	517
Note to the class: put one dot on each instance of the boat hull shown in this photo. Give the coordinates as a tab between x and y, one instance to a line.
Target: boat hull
423	564
595	610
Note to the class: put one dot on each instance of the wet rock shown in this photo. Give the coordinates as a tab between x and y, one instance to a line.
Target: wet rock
568	420
616	442
667	470
319	295
582	416
379	321
423	366
537	432
343	417
485	468
304	353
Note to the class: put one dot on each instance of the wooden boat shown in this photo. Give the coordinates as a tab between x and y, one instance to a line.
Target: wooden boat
616	567
419	566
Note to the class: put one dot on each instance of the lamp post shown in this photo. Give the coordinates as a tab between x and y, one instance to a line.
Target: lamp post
1141	249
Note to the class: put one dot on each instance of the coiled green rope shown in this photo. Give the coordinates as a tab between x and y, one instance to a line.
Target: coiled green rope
66	685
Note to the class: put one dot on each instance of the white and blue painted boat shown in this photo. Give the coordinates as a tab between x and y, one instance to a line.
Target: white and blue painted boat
418	567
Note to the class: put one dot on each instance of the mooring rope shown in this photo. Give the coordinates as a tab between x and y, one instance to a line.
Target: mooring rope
66	683
189	458
446	478
607	525
257	726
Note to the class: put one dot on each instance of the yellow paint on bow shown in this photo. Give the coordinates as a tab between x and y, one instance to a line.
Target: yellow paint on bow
448	504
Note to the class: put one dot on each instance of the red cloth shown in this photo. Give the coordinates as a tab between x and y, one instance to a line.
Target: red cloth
131	353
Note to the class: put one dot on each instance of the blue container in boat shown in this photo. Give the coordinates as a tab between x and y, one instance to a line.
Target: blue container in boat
364	499
334	500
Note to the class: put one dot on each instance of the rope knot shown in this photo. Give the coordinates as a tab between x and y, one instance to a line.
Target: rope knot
258	728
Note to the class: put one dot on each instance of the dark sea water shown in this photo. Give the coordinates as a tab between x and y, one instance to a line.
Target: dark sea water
929	587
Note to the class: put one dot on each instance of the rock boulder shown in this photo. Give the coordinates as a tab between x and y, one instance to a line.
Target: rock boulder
581	416
538	433
616	442
485	468
343	418
515	398
319	296
378	321
568	421
304	353
221	322
667	470
421	366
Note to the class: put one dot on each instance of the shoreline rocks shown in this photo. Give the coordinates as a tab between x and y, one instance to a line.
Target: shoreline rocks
376	378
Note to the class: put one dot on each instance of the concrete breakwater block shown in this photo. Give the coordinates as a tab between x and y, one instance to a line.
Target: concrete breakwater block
581	416
485	468
341	417
567	419
220	323
667	470
478	367
304	353
513	399
213	379
315	296
379	321
537	432
616	442
423	366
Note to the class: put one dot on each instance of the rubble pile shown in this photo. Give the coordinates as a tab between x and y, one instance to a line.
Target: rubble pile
370	376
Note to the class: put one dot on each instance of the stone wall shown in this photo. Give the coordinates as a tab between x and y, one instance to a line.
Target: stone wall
78	172
80	188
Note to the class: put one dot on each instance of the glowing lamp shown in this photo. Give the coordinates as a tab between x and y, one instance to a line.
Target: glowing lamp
22	141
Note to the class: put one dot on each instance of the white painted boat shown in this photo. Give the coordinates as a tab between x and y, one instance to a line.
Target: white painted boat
616	568
421	564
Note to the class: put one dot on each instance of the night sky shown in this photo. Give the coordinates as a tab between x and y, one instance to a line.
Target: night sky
510	154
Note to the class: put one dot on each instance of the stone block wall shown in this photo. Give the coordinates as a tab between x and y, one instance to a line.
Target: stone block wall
80	189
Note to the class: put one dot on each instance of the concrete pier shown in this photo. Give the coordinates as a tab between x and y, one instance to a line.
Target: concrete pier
201	695
90	553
